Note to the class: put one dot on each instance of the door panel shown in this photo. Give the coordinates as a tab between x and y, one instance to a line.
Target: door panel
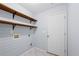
56	34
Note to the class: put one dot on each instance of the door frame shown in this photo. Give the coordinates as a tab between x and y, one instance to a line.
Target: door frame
65	32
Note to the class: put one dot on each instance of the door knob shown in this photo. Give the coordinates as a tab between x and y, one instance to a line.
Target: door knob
47	36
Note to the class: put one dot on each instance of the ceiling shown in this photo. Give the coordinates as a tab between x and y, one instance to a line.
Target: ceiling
36	8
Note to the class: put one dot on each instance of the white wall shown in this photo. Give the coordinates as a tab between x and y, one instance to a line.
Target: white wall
73	21
10	45
40	38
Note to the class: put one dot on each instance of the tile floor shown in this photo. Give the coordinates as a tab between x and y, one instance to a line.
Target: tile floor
36	52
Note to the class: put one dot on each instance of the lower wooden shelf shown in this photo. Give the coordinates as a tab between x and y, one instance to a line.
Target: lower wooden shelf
14	22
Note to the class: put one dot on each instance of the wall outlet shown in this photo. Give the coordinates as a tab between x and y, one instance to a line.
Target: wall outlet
30	44
28	35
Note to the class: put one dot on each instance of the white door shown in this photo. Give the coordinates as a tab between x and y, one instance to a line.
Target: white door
56	34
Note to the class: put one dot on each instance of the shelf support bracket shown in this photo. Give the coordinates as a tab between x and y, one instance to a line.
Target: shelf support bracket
14	14
13	18
30	23
31	28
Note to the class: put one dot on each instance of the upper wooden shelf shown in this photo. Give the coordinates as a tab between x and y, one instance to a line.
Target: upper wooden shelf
14	22
11	10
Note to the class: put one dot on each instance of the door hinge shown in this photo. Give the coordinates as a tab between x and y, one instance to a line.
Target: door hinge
64	17
64	34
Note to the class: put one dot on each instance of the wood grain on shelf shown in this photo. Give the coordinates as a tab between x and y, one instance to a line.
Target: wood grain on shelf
11	10
14	22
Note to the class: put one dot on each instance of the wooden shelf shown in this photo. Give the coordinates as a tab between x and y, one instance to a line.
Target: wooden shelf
11	10
13	22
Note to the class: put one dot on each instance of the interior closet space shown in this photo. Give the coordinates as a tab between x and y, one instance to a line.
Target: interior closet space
33	29
39	29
